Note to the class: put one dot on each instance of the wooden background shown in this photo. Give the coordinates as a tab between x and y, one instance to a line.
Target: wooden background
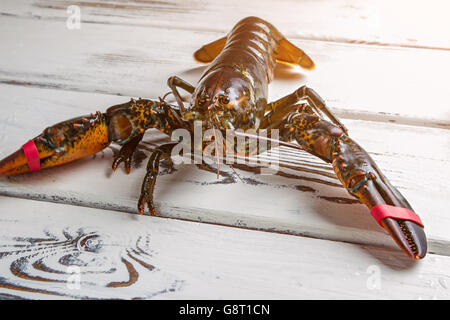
73	231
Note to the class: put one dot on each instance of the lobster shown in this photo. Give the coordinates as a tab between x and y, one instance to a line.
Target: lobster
232	95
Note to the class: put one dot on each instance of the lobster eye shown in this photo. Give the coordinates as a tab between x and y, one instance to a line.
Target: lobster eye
223	100
120	128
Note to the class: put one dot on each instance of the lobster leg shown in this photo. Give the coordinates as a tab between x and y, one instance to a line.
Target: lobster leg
148	185
354	167
312	97
175	82
126	153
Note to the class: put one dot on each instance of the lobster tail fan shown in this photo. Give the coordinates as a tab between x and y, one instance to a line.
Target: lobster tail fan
209	51
291	55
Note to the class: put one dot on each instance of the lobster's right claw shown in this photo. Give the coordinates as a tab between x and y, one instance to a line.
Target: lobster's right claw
64	142
26	159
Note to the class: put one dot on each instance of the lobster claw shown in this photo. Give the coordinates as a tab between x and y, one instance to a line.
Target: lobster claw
393	212
364	180
408	235
62	143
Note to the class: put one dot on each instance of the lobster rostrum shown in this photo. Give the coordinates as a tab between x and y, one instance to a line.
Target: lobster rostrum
230	95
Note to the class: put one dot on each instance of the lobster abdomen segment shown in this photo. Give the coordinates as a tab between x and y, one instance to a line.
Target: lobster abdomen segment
253	41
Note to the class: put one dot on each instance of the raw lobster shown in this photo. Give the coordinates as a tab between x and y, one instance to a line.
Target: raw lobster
232	95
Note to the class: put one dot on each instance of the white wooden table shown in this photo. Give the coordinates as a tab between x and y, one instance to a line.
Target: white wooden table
73	231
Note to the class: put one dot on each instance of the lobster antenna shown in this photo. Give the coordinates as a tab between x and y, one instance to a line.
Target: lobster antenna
216	147
281	143
236	172
218	159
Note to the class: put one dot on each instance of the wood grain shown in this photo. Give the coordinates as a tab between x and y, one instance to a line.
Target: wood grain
55	251
358	82
303	198
400	23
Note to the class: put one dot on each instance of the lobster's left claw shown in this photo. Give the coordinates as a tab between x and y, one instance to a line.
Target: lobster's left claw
64	142
395	215
363	179
408	235
393	212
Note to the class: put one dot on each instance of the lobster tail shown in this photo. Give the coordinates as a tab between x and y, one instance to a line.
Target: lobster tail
291	55
251	27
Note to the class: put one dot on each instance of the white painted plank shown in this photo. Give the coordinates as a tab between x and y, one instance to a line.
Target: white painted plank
305	200
358	82
44	247
404	23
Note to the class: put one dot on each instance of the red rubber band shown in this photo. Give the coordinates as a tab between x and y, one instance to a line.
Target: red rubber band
381	211
32	155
